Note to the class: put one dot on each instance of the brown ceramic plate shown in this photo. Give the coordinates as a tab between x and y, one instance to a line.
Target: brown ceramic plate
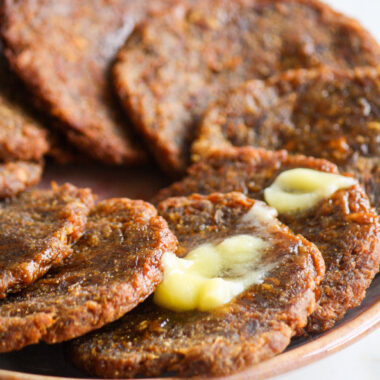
44	362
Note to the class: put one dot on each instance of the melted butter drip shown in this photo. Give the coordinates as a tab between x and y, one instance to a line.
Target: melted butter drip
211	275
297	190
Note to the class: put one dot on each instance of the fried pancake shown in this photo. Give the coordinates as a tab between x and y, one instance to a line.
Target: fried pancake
62	50
344	227
255	325
22	137
113	267
321	112
171	68
17	176
36	232
62	152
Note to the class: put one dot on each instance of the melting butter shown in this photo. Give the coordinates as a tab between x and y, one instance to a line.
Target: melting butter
297	190
211	275
260	214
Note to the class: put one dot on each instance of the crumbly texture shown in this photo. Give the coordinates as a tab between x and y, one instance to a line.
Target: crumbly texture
114	266
344	227
171	68
321	112
63	50
36	232
22	137
256	325
17	176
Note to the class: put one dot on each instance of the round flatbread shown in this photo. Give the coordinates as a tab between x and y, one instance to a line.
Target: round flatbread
36	232
255	325
113	267
22	137
171	68
321	113
344	226
17	176
63	50
62	152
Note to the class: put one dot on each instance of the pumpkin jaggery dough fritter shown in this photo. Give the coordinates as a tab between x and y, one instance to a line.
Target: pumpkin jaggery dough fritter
17	176
62	51
22	137
113	267
36	231
22	132
255	325
344	227
171	68
321	113
62	152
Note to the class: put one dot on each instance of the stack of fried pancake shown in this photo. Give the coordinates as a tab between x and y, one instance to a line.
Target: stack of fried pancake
226	96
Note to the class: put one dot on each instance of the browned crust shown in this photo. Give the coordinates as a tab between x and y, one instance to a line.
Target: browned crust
326	113
173	67
254	326
36	232
17	176
113	267
345	227
62	152
238	169
22	137
347	231
66	68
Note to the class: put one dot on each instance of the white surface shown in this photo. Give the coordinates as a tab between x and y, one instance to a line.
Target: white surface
367	12
360	361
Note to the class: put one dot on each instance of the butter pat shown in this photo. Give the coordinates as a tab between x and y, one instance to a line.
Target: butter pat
240	249
297	190
210	275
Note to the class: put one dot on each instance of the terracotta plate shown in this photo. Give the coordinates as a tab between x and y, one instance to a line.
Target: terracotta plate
46	362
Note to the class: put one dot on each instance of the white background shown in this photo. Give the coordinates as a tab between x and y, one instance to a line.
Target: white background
361	361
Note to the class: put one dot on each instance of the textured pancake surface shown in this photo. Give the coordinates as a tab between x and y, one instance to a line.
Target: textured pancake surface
113	267
344	227
255	325
17	176
36	231
63	50
21	136
321	113
171	68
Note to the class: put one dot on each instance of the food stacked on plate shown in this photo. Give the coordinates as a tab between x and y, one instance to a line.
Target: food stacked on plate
267	113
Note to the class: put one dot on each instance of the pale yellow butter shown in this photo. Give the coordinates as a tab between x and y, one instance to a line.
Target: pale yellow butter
300	189
211	275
